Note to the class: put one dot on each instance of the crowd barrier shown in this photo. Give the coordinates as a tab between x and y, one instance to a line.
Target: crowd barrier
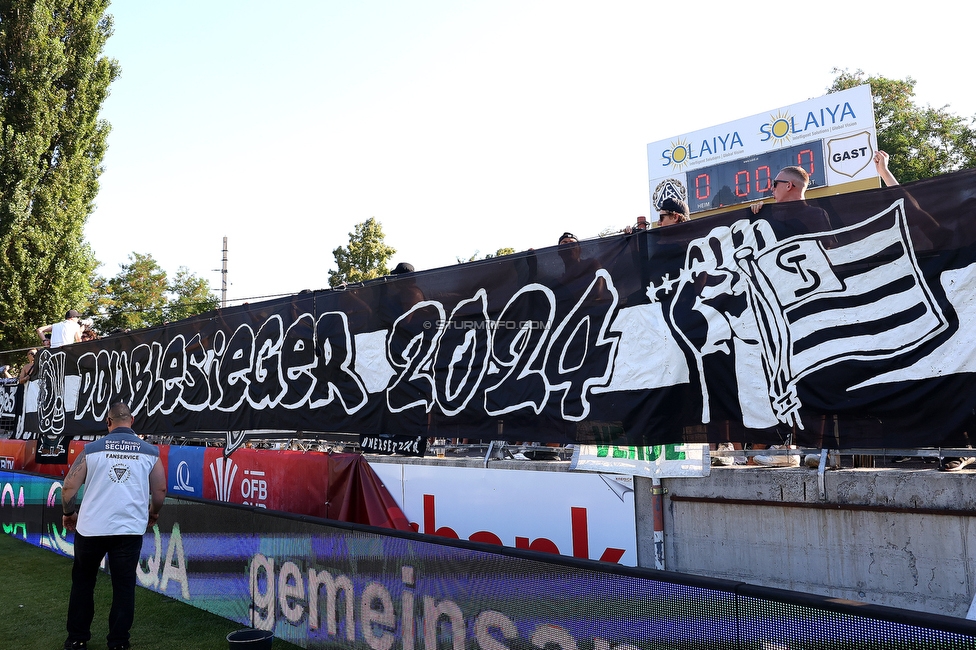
321	584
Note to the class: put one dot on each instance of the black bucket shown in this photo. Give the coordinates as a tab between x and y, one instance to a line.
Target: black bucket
250	639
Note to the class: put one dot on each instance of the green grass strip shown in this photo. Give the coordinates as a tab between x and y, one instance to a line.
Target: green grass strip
34	587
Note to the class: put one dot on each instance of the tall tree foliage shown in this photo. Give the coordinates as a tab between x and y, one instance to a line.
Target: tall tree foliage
922	141
477	255
53	80
189	295
141	295
365	257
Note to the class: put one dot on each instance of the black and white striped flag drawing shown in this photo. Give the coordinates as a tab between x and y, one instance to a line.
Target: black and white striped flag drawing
811	300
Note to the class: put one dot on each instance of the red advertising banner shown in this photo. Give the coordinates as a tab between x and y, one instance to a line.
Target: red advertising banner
334	486
22	455
17	454
342	487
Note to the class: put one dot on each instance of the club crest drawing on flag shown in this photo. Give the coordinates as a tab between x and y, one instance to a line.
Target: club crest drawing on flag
784	309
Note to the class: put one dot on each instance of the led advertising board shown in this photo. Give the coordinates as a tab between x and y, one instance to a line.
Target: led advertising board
320	584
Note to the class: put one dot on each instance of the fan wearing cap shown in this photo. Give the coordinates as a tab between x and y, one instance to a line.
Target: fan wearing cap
569	251
398	296
672	211
579	273
64	333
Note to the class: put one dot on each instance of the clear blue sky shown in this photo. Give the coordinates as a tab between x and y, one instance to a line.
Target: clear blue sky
462	126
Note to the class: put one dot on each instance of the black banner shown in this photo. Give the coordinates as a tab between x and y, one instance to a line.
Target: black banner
842	320
11	406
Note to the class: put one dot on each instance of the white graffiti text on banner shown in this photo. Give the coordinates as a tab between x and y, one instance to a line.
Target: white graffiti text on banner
432	359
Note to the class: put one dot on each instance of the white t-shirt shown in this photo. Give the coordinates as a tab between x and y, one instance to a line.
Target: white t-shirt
63	333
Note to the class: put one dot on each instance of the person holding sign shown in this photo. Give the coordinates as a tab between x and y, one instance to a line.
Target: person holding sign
672	211
790	184
881	164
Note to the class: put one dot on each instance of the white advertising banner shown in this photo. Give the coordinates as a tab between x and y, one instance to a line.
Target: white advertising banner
664	461
833	137
569	513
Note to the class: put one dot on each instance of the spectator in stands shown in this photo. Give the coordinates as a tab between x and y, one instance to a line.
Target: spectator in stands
789	185
402	267
5	372
28	368
396	298
64	333
578	273
88	333
881	165
575	267
672	211
945	464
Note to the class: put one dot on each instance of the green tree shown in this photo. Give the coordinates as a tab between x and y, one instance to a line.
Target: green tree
498	253
365	257
190	295
53	81
136	296
140	295
922	141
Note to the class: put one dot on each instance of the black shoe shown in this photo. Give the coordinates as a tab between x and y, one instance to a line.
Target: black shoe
120	646
75	645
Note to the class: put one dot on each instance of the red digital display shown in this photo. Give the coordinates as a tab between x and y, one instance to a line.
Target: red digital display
750	179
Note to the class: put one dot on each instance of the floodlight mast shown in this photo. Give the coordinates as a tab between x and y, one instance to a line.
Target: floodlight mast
223	276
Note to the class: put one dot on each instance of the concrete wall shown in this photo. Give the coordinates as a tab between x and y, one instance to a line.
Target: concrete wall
902	538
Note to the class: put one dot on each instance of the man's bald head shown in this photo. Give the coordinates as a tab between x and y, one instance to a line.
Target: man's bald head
119	415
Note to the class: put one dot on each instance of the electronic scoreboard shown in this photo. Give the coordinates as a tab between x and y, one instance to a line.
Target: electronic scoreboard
832	137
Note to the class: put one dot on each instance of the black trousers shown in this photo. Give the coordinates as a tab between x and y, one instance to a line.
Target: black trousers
123	560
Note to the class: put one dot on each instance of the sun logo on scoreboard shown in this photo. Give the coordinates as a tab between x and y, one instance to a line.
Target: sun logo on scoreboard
779	129
679	155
